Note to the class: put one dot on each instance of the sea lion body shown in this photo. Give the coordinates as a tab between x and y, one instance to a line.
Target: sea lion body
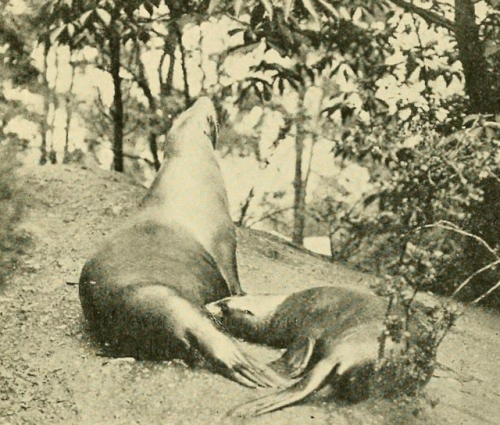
130	303
330	333
144	291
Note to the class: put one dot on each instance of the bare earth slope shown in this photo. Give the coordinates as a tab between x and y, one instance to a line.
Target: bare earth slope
51	373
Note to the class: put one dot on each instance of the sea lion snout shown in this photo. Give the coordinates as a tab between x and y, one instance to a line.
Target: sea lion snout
217	308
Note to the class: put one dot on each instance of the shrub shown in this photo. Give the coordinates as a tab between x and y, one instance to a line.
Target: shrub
419	177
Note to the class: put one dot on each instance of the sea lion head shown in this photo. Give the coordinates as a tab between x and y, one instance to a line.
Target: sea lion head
246	316
193	128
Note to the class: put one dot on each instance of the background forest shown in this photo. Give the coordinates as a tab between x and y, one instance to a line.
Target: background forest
366	130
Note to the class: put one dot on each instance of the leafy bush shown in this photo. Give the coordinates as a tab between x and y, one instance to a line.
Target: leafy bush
419	178
12	241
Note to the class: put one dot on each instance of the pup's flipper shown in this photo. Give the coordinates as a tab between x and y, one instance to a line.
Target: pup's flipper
295	359
315	379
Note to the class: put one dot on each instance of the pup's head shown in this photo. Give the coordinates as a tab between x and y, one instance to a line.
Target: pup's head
246	316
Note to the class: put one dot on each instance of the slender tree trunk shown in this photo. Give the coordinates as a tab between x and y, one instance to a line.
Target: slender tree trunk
169	82
169	47
472	56
187	95
143	83
69	114
153	147
245	207
203	73
46	106
117	113
55	103
299	201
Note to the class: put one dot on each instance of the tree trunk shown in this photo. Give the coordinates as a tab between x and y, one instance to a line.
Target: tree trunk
187	95
117	113
69	114
153	147
245	207
169	82
169	48
143	83
472	56
299	203
55	103
46	106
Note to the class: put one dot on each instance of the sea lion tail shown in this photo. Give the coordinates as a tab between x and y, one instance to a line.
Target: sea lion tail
312	382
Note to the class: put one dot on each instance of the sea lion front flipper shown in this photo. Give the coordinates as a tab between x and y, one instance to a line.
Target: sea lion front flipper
295	359
315	379
226	261
238	366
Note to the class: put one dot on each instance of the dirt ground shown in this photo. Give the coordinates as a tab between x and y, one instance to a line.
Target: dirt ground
50	372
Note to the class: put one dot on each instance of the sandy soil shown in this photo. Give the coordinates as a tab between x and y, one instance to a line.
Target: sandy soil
50	372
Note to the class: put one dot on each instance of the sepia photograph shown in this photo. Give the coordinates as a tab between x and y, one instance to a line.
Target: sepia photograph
250	212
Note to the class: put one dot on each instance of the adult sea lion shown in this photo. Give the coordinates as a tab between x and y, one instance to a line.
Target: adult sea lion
144	291
330	333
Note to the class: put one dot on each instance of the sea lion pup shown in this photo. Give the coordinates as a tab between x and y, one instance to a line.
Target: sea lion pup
330	333
143	293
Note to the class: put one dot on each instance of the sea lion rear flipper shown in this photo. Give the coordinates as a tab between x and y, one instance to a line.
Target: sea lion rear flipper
356	348
295	359
313	381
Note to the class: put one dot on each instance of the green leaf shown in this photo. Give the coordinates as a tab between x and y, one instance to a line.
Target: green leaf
309	5
104	16
288	8
269	8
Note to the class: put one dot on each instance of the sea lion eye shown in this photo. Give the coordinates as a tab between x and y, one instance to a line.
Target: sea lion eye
250	313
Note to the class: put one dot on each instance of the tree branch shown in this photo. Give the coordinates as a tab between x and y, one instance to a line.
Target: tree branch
427	15
266	216
244	207
139	158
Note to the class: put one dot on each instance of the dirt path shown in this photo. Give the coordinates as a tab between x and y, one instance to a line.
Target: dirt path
50	372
